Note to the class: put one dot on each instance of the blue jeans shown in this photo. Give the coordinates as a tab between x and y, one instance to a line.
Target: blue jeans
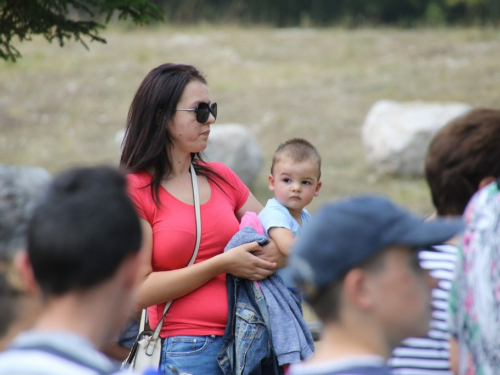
194	355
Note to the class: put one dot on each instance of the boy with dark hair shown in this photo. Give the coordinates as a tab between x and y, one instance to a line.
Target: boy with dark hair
462	158
83	253
357	265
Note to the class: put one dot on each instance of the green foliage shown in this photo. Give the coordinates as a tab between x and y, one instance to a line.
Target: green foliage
286	13
66	19
81	20
434	14
478	11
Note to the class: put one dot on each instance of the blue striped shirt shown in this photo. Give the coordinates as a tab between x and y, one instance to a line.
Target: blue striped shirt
430	355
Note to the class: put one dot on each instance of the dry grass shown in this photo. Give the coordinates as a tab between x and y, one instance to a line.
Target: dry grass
62	106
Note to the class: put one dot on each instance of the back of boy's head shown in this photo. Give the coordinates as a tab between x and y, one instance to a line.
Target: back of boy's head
297	150
462	154
82	230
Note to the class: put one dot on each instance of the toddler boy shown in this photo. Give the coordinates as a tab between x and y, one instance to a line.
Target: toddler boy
295	181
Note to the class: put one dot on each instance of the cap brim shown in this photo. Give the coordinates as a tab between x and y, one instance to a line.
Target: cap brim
428	233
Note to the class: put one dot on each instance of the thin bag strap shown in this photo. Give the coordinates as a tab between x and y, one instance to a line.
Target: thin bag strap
144	320
196	199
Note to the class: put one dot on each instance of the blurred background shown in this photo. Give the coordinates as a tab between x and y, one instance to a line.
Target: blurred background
284	68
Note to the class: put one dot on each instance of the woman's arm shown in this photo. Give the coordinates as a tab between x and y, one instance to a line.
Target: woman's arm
283	238
159	287
251	205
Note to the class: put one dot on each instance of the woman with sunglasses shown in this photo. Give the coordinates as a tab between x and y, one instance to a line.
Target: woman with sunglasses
168	127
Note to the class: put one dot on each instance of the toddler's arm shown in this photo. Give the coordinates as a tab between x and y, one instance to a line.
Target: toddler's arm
283	238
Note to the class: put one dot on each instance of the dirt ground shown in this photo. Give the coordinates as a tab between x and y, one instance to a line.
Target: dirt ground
61	107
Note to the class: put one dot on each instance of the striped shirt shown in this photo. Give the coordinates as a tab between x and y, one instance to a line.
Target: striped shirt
54	353
430	355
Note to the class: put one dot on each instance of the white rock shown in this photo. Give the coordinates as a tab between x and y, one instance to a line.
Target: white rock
238	148
396	135
119	137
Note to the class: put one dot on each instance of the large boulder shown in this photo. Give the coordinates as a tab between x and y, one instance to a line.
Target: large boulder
238	148
396	136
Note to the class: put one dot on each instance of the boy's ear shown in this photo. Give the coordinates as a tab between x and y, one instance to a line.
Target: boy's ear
23	265
318	186
357	289
271	182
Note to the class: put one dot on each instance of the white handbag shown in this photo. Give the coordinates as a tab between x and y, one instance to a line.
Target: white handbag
146	351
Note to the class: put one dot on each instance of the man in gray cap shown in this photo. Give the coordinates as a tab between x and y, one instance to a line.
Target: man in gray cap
357	264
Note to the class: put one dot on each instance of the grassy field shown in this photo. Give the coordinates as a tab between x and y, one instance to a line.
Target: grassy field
62	106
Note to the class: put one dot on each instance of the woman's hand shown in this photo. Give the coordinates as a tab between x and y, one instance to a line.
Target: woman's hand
241	262
271	253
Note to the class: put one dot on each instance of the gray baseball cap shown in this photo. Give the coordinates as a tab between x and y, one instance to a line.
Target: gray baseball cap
342	235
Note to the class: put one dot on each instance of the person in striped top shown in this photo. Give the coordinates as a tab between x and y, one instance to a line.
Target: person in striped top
462	158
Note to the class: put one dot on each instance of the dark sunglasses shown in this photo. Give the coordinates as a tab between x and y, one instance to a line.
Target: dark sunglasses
203	111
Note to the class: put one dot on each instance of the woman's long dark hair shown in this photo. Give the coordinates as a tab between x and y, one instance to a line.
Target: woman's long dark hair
147	140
